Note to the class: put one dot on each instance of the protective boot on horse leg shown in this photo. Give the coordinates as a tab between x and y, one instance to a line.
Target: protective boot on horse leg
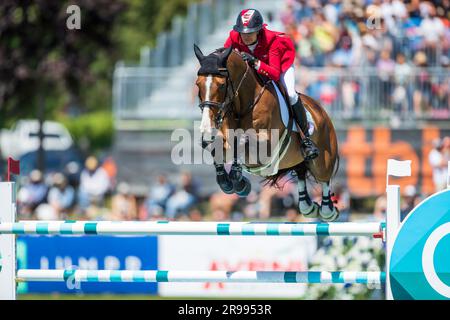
307	207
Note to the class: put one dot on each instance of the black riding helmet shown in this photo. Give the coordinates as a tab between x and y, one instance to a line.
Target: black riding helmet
248	21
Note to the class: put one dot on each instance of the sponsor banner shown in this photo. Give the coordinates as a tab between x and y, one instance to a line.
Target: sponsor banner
93	252
210	253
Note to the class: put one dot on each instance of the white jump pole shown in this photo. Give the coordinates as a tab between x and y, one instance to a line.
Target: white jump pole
7	243
392	226
201	276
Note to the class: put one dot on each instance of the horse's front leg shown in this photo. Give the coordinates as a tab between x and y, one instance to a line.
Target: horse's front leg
222	177
241	184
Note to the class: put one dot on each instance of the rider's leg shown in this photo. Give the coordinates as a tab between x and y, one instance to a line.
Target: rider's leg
288	80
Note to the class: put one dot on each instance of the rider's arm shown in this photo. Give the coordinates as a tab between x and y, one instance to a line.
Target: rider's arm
273	68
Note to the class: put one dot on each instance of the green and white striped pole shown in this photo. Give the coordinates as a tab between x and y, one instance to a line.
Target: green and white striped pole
191	228
201	276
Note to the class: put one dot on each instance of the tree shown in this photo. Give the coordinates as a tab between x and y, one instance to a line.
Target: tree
39	55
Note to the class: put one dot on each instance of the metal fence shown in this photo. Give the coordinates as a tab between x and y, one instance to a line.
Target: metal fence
367	94
154	93
353	93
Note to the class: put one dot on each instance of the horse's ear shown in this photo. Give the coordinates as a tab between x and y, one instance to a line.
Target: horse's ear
226	53
198	53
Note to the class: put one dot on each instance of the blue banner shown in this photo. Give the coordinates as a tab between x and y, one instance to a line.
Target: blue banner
93	252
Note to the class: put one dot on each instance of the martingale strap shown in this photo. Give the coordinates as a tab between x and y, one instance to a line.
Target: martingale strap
281	147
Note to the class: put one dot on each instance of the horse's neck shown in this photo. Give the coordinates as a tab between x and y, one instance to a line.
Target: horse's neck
250	85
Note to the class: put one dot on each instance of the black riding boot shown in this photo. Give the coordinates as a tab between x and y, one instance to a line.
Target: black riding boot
309	149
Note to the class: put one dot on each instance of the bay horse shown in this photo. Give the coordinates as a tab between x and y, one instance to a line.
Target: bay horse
233	96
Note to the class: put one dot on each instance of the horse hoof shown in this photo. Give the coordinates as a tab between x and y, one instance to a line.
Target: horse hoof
331	216
224	182
243	188
227	190
313	212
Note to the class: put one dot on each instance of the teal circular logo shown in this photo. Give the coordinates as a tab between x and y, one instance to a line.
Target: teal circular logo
420	259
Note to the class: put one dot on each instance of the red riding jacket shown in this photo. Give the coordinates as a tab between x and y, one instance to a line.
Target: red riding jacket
275	51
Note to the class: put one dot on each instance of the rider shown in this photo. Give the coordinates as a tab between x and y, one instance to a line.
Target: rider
272	54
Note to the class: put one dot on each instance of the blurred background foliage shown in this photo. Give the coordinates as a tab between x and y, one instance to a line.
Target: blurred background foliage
69	72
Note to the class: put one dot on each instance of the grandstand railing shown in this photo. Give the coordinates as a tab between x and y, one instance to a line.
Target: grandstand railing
368	94
350	93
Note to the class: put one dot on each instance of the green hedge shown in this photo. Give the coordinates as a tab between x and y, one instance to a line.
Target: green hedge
93	130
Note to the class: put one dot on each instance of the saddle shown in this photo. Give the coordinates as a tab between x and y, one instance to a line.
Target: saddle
263	79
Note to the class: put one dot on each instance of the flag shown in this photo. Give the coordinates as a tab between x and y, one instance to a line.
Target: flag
13	167
399	168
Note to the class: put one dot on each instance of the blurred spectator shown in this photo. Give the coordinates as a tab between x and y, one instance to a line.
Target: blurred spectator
422	93
250	208
124	204
379	211
385	67
72	173
438	158
221	205
94	183
274	202
32	194
61	196
342	198
109	165
431	27
401	93
183	199
410	200
158	196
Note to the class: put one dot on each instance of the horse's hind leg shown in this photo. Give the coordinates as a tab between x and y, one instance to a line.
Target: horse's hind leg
328	212
306	206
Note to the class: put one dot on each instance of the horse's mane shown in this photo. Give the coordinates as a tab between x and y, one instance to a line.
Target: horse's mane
259	78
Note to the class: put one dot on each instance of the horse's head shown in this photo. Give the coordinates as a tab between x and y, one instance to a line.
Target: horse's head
215	89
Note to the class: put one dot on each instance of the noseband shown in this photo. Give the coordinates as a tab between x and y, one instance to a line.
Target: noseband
227	105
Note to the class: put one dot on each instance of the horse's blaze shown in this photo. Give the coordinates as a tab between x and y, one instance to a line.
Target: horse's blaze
205	125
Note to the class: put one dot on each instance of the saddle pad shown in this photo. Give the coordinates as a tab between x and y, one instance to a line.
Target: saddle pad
285	113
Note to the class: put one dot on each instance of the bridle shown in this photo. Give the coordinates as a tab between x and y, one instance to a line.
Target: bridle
227	106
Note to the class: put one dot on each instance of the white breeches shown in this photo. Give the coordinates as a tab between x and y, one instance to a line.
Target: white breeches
288	80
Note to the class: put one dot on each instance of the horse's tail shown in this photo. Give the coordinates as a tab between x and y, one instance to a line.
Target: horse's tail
273	181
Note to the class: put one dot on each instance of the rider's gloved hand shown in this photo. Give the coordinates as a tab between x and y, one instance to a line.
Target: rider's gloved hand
248	57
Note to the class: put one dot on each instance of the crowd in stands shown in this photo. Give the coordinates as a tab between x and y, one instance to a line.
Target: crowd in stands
438	159
96	196
386	54
56	196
